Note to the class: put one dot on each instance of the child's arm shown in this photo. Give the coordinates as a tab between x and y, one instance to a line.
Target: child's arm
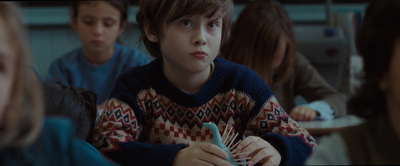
267	119
271	122
117	135
313	87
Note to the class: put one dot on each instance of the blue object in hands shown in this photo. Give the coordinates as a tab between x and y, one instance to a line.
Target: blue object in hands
217	140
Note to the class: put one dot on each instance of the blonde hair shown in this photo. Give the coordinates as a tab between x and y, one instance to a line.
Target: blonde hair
23	116
154	13
255	38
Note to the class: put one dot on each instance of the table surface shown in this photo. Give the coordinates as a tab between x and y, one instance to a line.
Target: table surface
324	127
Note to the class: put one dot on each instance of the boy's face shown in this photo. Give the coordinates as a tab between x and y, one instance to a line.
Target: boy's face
7	69
98	26
190	43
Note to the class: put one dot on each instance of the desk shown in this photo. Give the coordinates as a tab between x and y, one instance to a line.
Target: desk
325	127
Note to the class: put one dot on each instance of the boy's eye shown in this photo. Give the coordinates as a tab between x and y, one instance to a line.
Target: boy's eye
88	21
186	23
212	25
109	23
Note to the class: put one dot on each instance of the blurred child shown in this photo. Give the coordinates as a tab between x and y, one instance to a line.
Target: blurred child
77	104
155	112
263	39
377	140
98	63
25	137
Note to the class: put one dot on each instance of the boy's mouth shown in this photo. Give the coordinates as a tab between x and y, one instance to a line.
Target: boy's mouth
97	42
199	54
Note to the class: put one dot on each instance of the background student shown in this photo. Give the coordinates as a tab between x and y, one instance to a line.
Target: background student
155	112
101	59
263	39
377	140
26	138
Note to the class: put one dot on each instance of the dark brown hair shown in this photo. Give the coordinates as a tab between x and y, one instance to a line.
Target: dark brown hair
77	104
154	13
255	37
375	42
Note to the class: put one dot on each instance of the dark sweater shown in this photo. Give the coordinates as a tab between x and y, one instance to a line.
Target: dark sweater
148	120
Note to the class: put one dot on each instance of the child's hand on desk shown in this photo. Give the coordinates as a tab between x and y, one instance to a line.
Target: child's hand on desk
201	154
260	151
302	113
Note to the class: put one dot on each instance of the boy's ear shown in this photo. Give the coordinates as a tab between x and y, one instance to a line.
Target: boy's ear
150	34
73	22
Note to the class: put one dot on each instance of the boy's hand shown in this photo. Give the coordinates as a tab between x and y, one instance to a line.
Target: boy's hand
201	154
260	151
302	113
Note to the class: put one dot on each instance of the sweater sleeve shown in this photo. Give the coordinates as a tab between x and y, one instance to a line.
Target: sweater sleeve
119	130
272	123
294	143
312	86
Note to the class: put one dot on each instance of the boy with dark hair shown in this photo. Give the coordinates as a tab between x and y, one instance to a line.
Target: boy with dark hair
155	113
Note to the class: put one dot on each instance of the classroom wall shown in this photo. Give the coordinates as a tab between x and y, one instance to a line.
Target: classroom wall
51	35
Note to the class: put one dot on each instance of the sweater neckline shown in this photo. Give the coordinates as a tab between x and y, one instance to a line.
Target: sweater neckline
206	93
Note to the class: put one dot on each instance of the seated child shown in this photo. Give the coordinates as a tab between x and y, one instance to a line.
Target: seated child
263	39
102	58
155	113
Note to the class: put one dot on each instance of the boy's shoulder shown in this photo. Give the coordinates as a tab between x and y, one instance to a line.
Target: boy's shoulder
146	70
228	66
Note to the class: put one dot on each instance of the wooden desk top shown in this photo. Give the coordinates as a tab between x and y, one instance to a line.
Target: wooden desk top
324	127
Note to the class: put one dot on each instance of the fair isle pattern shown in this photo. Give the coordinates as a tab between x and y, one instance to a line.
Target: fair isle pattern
118	124
221	107
273	118
170	123
183	124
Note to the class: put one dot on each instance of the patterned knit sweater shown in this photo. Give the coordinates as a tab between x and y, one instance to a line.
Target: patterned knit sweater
148	120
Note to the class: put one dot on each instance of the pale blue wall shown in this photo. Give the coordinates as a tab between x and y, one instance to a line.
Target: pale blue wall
51	35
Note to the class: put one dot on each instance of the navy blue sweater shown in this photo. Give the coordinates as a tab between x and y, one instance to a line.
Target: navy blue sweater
148	120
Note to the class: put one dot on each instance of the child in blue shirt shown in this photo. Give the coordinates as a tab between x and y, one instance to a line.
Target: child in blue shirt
101	59
156	112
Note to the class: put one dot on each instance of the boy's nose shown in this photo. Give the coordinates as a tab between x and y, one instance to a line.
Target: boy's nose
98	29
199	38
